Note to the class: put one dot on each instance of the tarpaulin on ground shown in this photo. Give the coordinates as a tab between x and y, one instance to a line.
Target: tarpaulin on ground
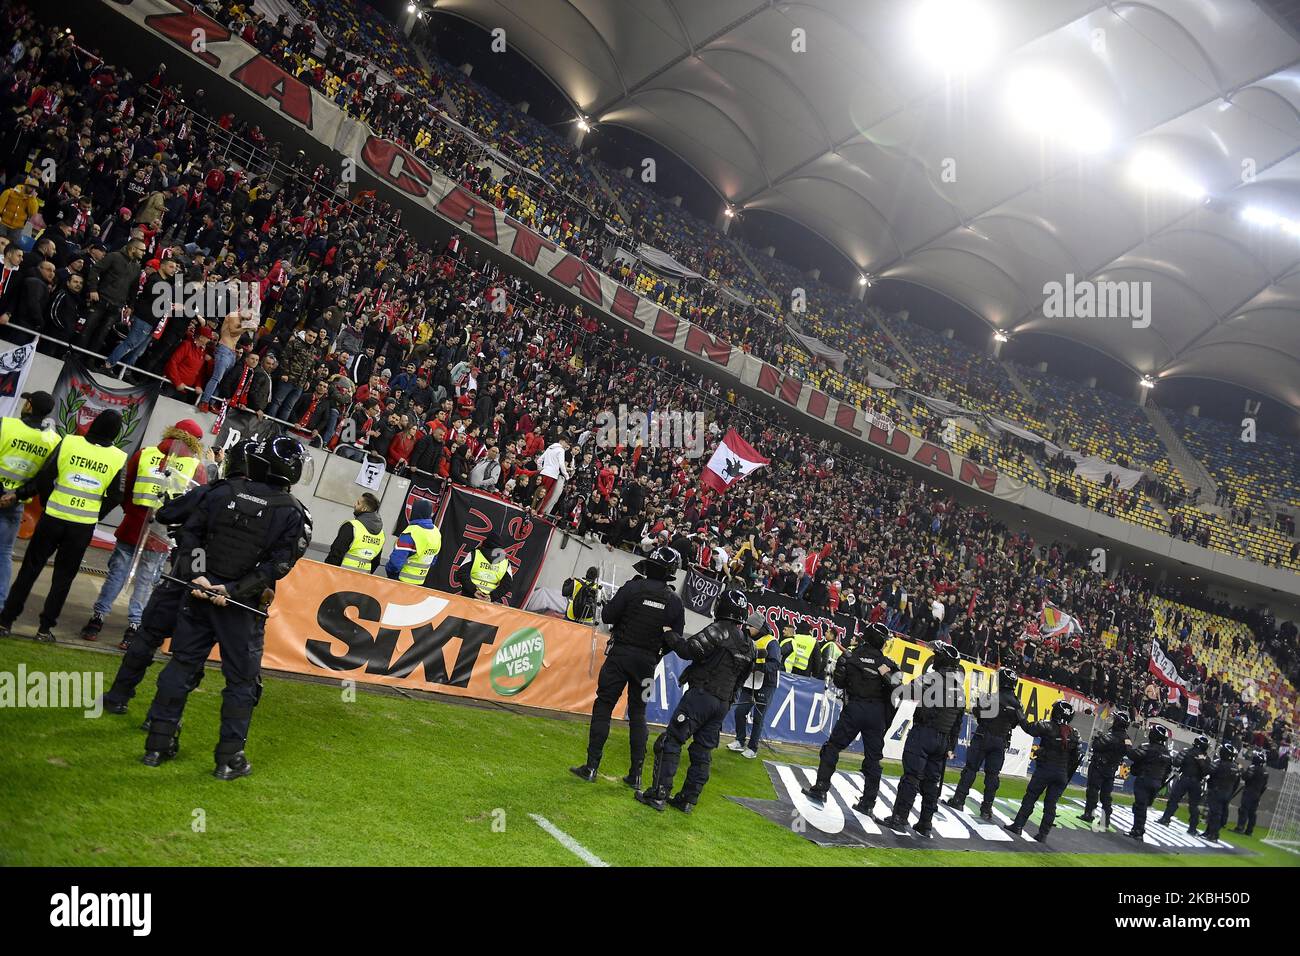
78	398
332	622
466	519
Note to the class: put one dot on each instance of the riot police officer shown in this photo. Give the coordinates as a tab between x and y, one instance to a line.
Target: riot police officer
1255	782
1058	758
1149	768
1220	788
249	535
160	614
940	703
1104	757
1193	767
868	679
641	616
721	656
995	718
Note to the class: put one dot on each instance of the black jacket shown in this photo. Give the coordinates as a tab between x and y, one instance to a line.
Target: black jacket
1222	779
641	611
996	717
721	656
114	278
1193	766
859	673
1058	745
1256	779
1150	762
940	703
1109	749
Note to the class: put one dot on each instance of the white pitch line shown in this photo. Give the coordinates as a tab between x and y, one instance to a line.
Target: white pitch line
568	842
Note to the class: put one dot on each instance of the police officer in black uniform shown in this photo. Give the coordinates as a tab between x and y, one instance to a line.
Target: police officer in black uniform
1058	758
1149	768
1193	767
1255	782
641	616
1104	757
160	614
722	656
249	534
868	679
940	703
1220	788
995	718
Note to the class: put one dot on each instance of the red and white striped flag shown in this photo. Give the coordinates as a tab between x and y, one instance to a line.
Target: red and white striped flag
732	460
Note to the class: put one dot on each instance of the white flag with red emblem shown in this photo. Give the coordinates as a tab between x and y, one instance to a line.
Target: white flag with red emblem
732	460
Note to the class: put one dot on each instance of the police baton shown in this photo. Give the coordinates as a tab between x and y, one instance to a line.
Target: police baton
191	586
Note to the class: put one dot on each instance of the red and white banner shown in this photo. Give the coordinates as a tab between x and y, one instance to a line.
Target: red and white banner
733	460
1163	667
402	173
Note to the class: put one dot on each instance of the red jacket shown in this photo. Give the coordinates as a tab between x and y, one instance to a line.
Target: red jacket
188	364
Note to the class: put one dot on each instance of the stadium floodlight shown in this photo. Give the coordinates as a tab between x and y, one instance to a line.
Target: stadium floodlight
583	124
862	280
1048	104
956	36
1155	170
410	8
1000	336
729	211
1259	216
1147	382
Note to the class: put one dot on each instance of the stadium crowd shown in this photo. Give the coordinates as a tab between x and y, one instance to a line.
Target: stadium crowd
367	342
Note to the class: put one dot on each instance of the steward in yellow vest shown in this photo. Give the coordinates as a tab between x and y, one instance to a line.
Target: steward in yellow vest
417	546
359	541
485	573
80	484
798	650
25	444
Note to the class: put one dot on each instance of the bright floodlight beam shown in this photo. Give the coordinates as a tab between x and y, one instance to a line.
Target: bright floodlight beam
1154	170
956	36
1046	103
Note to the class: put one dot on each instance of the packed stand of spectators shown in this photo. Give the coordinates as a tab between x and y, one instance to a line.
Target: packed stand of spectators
394	350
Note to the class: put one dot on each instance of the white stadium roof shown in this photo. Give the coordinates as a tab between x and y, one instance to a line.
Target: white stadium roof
987	183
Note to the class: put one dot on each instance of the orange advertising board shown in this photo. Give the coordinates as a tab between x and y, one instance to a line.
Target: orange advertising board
341	624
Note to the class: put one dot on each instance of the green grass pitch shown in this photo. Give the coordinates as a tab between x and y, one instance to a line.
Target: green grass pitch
387	779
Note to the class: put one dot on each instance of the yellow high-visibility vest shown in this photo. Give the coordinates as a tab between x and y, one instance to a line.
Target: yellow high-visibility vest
485	575
85	472
23	449
802	646
147	491
763	643
364	549
428	542
571	613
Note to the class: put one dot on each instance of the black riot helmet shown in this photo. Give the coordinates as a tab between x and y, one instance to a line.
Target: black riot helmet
284	459
1227	752
1201	744
731	605
1121	720
1158	734
236	463
1258	757
662	564
1062	712
1007	678
876	635
946	657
